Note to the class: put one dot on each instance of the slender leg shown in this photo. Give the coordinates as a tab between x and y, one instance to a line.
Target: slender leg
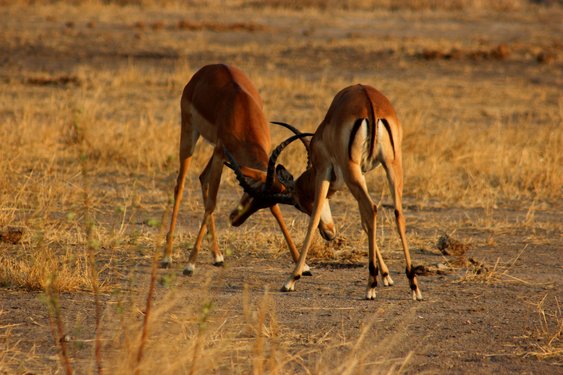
292	249
368	212
215	170
190	267
394	171
218	259
204	179
385	276
188	140
321	189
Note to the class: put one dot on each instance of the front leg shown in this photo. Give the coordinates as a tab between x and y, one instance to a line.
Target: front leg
321	192
275	209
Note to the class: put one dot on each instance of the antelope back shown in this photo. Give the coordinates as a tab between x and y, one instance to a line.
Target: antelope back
221	102
341	125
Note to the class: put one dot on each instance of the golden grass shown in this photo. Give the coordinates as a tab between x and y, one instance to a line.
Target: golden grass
483	166
477	271
12	353
88	163
42	267
240	337
416	5
549	331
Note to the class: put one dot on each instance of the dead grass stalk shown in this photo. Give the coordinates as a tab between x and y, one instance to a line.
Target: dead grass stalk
150	294
58	334
549	331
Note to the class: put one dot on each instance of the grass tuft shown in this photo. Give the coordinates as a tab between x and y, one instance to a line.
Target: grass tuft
548	343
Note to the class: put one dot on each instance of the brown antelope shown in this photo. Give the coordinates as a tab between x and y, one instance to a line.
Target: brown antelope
222	105
359	132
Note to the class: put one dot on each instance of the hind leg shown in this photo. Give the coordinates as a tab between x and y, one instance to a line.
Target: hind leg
212	181
204	179
368	212
394	171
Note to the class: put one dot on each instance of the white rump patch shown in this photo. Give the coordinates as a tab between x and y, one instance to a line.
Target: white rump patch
384	146
359	149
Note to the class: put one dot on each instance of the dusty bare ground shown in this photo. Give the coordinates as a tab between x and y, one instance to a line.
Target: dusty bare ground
491	306
468	322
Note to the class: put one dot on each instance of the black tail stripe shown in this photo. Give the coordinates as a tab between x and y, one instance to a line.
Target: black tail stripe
373	127
388	127
355	129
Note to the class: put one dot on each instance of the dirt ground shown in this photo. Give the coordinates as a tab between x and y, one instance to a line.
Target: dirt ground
488	325
491	306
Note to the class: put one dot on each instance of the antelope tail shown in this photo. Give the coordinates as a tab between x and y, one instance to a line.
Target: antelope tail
373	127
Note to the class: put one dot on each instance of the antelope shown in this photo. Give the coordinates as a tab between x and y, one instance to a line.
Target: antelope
221	104
359	132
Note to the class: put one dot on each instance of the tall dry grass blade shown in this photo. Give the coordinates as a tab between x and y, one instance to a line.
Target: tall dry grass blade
125	332
78	137
273	362
549	331
145	327
150	293
199	343
403	365
95	283
258	360
91	257
57	326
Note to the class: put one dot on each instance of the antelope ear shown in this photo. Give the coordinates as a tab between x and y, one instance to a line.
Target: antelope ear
285	177
254	174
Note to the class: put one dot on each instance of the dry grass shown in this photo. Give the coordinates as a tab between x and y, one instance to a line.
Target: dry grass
549	330
481	272
88	162
414	5
201	337
41	267
482	171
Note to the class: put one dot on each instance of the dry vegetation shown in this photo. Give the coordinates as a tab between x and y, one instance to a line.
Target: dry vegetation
89	97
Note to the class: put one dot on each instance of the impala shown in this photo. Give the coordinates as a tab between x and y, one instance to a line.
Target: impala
359	132
222	105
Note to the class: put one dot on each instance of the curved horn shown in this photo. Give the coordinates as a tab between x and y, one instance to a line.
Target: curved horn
297	131
287	126
240	177
294	130
276	153
283	198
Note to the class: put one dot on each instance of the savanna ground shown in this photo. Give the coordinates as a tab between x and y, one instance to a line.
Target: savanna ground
89	125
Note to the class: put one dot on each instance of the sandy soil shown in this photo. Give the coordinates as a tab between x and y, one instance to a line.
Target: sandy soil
482	309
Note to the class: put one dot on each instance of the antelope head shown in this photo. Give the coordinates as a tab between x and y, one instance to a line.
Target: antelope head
262	190
276	186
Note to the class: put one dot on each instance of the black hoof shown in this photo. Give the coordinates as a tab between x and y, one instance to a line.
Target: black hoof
328	236
188	272
307	273
165	264
219	264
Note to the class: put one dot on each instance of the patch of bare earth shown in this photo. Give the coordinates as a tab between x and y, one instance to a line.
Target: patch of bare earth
89	131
